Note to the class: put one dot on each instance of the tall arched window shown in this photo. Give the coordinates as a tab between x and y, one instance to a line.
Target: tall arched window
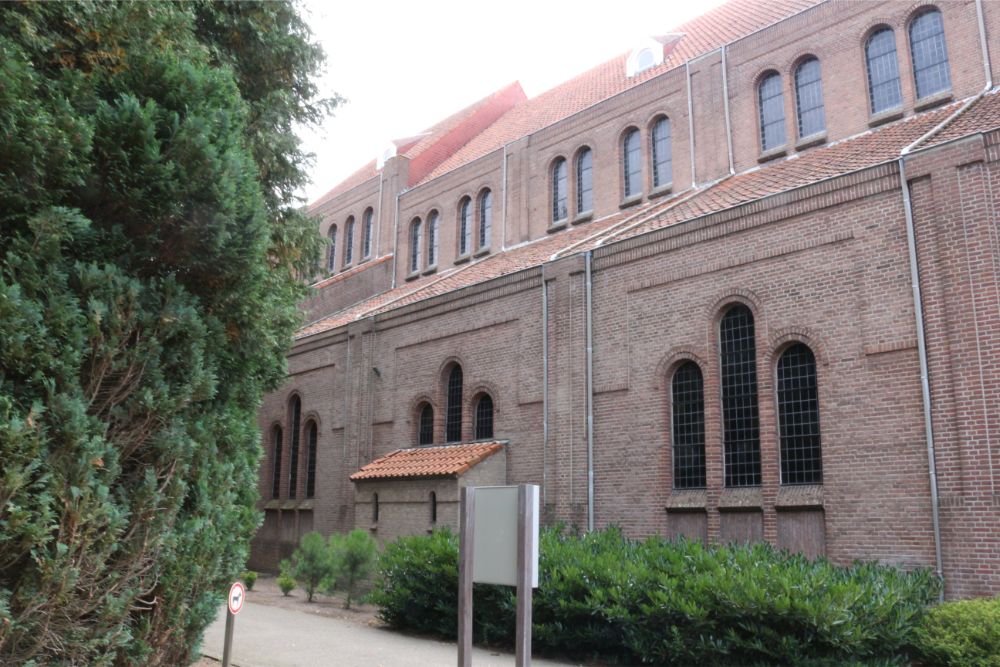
366	233
349	241
688	417
560	197
432	238
798	417
662	159
464	226
884	92
425	429
632	163
484	417
485	218
331	258
771	103
294	417
312	436
276	461
415	245
809	98
584	181
453	418
930	55
740	414
434	507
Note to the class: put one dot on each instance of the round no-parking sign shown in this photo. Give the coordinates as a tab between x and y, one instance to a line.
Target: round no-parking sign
237	594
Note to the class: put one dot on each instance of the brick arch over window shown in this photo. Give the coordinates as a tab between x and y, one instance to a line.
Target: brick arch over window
740	408
483	415
277	442
687	416
453	403
312	438
294	429
798	415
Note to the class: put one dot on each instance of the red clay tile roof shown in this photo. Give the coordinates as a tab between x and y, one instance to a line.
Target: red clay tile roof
326	282
985	113
443	461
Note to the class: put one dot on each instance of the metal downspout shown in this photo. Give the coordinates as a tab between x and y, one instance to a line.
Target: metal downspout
687	75
725	106
545	390
378	223
589	279
503	187
395	241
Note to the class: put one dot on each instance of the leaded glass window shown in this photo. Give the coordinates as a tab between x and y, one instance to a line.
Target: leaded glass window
632	163
349	241
798	417
465	226
415	246
293	465
311	438
688	417
772	112
485	218
809	98
930	56
740	414
883	71
366	231
484	417
453	418
425	431
560	198
662	159
584	181
331	258
432	238
276	438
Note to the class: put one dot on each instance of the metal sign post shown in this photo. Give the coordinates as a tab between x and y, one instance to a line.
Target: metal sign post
498	544
237	596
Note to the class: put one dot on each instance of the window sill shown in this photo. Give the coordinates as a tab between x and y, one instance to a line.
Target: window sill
631	201
347	267
885	117
412	276
557	226
773	153
741	498
431	269
373	528
799	495
661	190
812	140
462	259
482	251
586	216
687	499
934	100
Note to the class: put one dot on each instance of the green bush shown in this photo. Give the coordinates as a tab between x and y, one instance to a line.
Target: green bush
286	584
961	634
353	556
653	601
249	578
312	564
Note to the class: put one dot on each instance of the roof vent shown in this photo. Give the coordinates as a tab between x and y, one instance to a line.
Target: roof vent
647	54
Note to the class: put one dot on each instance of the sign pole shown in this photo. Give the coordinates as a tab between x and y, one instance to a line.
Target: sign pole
525	549
227	646
467	513
234	605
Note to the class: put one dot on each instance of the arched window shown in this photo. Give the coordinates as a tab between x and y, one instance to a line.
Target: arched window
453	418
276	462
662	159
688	417
809	98
465	226
311	438
883	71
349	241
295	414
771	102
432	238
484	417
375	508
930	56
740	414
366	233
560	198
415	245
331	258
425	429
632	163
434	507
798	417
584	181
485	218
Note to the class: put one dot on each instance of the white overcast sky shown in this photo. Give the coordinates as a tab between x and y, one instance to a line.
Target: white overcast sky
403	66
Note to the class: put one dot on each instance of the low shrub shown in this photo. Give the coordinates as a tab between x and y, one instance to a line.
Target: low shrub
286	584
249	578
961	634
604	596
312	564
353	556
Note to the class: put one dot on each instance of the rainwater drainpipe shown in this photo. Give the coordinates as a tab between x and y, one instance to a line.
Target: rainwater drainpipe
545	389
911	246
503	187
589	279
725	106
687	75
395	240
378	224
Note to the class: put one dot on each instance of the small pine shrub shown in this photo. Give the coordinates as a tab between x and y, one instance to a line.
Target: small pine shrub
353	556
312	564
961	634
249	578
286	584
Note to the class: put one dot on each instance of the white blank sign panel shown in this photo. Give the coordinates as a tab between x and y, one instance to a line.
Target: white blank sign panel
494	556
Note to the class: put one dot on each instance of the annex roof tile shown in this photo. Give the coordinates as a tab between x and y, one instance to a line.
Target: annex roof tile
422	462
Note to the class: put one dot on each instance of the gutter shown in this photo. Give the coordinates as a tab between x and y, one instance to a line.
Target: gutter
395	240
687	77
545	389
589	280
725	106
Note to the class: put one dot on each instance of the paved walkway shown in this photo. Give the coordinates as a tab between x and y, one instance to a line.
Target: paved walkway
268	636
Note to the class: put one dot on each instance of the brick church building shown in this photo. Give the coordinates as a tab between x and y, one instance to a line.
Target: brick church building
740	283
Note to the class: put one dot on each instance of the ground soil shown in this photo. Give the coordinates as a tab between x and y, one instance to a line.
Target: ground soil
266	591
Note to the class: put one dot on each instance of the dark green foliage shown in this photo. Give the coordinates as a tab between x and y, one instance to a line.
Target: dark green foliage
149	247
657	602
353	556
312	564
286	584
961	634
249	578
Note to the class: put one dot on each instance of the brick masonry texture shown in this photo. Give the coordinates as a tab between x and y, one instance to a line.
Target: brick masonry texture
812	238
